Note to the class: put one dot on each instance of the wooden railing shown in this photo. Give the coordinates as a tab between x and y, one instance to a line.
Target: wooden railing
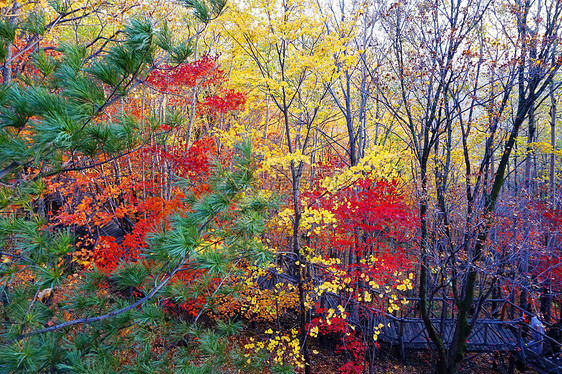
492	331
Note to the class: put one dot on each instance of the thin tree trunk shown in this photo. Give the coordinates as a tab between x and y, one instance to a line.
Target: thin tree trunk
531	134
552	172
7	69
193	100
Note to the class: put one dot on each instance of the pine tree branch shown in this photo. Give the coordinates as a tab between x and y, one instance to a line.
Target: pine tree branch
16	256
59	20
114	313
113	95
80	168
8	169
107	40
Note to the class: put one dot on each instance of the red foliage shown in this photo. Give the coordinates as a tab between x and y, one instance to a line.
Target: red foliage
373	219
350	343
220	104
174	79
107	254
373	224
22	60
187	162
204	75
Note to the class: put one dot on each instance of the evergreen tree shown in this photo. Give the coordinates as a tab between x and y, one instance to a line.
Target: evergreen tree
54	120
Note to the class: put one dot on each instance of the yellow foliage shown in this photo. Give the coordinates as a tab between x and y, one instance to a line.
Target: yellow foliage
260	304
283	347
311	220
379	162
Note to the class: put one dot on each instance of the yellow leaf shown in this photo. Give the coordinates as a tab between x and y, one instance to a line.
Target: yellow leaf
45	293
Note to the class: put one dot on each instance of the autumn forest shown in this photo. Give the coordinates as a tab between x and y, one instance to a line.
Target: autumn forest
281	186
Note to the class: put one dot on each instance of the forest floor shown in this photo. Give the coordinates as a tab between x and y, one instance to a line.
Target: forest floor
416	363
327	361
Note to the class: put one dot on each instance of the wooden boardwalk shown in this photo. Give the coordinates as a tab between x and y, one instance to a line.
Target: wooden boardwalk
487	335
502	327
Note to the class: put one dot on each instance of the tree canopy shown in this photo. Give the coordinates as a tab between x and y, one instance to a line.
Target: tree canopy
279	186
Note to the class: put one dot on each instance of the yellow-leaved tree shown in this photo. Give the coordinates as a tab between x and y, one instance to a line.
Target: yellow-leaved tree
288	45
